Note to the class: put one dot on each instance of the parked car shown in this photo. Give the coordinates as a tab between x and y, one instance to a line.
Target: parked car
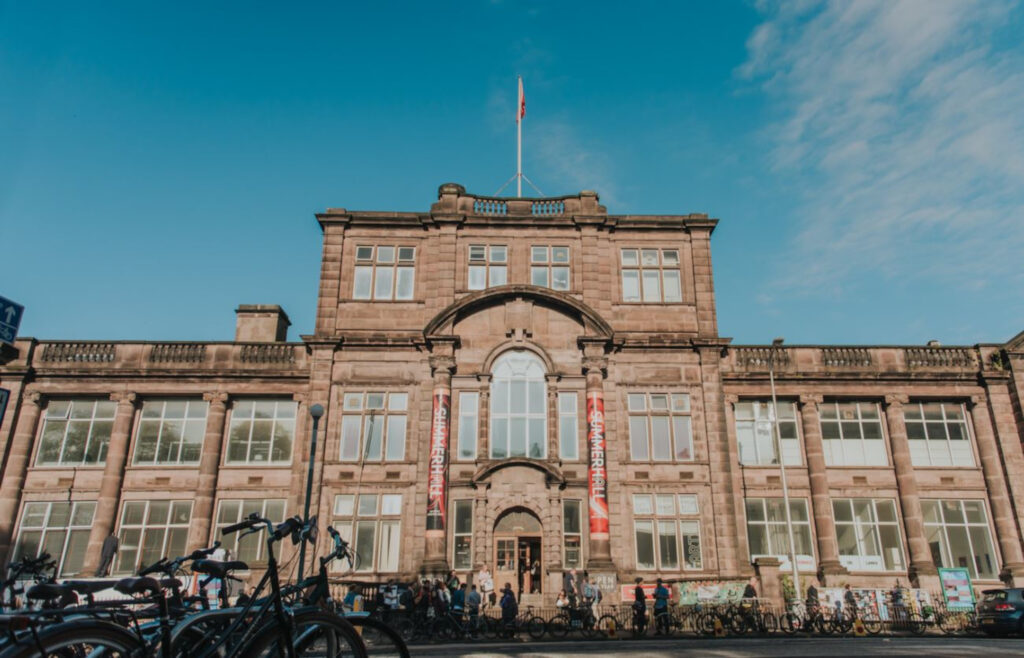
1001	611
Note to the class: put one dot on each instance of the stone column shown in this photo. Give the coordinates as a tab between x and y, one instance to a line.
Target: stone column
770	581
922	568
435	559
1012	572
821	500
200	535
594	367
17	467
113	476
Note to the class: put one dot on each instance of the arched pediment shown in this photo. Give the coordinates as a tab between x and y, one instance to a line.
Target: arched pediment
552	475
593	323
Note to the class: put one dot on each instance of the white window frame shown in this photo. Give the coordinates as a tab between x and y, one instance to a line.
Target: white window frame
381	266
499	378
461	509
99	427
268	508
868	535
74	526
651	266
191	430
645	409
759	450
350	512
678	513
469	426
493	264
367	410
849	424
147	526
283	415
939	448
777	528
545	260
569	426
942	526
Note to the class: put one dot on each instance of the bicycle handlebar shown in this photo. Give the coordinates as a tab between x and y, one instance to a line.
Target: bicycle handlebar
252	520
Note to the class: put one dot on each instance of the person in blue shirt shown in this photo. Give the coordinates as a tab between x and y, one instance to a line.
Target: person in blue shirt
661	596
459	600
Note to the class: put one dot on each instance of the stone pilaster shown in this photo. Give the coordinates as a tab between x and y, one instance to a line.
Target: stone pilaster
209	466
595	367
435	559
821	500
922	569
17	467
1007	534
113	477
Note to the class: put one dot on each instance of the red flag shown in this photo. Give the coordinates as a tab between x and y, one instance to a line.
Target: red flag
521	111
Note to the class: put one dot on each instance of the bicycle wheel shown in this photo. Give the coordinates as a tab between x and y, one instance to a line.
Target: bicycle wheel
380	639
535	627
607	627
872	623
769	623
558	626
948	622
84	637
738	624
916	624
313	634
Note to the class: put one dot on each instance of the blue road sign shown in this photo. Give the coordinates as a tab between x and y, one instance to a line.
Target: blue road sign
5	395
10	319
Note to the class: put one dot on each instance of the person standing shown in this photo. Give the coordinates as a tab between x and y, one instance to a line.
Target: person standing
639	607
459	601
849	602
569	585
486	585
509	608
535	577
661	620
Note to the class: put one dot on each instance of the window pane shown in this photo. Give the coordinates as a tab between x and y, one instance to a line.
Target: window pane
382	285
683	438
405	280
539	276
660	438
638	438
629	257
373	436
477	277
649	257
477	252
344	505
567	439
364	279
669	257
652	288
350	437
499	254
668	547
665	504
559	254
364	253
499	275
673	291
630	285
539	255
368	505
364	544
644	544
571	517
642	505
688	504
396	438
984	556
389	546
691	544
560	278
406	253
637	402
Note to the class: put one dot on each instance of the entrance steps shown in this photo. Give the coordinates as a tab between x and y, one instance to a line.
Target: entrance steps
536	600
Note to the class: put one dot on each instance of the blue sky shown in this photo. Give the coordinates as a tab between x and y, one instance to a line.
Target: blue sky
160	164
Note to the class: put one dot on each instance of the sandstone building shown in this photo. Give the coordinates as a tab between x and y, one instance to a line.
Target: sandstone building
522	382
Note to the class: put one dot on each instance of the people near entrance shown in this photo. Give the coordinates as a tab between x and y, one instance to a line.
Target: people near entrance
563	600
897	596
579	583
459	600
453	582
591	592
639	606
442	599
389	594
750	591
473	601
569	586
509	607
535	577
661	595
812	601
849	600
352	597
486	585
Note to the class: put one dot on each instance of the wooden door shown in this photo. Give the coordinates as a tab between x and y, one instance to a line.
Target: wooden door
505	563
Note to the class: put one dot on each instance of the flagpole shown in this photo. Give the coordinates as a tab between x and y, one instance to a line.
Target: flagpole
519	141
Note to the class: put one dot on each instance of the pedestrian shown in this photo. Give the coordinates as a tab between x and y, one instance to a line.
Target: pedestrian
459	600
509	607
348	603
562	600
569	585
849	601
661	595
812	597
389	594
453	582
535	577
473	601
486	585
639	606
750	591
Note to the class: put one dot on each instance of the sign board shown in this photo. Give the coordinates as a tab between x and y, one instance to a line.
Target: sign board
5	395
10	319
956	588
628	592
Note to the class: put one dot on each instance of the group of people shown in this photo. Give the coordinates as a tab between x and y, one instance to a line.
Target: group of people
577	590
437	598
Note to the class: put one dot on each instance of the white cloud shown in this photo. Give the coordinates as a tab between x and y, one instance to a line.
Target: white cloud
904	127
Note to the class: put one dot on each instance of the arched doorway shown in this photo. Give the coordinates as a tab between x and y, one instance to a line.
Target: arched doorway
518	538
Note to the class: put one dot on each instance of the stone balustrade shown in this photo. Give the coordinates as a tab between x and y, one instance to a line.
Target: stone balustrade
130	355
812	359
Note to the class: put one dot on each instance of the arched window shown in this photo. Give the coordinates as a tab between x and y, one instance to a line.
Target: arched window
518	407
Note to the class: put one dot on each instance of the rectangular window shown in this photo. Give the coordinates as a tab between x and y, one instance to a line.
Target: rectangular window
170	432
767	533
662	537
755	429
60	529
651	276
549	267
869	534
659	427
384	272
462	533
150	530
488	266
568	426
852	434
76	432
371	523
469	419
938	434
261	432
251	548
572	534
958	535
373	426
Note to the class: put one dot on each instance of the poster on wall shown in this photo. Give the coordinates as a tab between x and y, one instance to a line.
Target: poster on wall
956	588
708	591
436	483
597	473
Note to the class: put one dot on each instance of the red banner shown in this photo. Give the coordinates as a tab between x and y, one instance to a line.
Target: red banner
598	473
437	484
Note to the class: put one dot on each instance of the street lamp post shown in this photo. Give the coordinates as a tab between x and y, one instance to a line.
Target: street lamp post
776	344
316	411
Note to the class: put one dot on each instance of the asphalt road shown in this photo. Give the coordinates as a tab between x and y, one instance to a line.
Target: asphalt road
782	647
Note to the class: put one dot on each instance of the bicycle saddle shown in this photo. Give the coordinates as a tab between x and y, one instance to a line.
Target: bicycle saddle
90	586
49	592
218	569
132	586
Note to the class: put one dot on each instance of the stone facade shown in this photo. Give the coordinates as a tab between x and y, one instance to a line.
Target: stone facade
427	337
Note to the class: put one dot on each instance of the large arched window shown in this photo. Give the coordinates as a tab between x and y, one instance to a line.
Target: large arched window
518	407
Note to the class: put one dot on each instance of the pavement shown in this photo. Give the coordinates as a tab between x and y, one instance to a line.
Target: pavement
780	647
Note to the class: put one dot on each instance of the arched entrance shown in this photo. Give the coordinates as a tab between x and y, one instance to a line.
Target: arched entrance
518	538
